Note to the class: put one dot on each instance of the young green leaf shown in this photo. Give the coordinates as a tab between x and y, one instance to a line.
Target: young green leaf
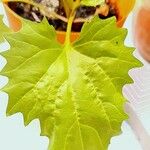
68	6
74	90
92	2
70	3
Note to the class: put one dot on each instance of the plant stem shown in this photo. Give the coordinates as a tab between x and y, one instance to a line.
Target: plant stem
59	17
69	27
70	22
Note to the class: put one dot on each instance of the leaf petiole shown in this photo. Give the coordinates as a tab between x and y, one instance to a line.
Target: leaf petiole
69	26
70	21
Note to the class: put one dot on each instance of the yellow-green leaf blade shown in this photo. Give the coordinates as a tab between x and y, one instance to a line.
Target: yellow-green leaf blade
74	90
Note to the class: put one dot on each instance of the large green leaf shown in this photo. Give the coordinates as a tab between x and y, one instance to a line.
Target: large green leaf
74	90
3	28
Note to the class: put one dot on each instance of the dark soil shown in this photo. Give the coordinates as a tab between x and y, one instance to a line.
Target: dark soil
25	10
33	13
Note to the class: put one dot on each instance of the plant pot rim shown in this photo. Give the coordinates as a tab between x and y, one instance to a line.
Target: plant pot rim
19	17
15	23
15	20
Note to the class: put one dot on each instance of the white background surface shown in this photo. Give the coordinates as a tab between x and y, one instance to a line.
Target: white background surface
14	136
